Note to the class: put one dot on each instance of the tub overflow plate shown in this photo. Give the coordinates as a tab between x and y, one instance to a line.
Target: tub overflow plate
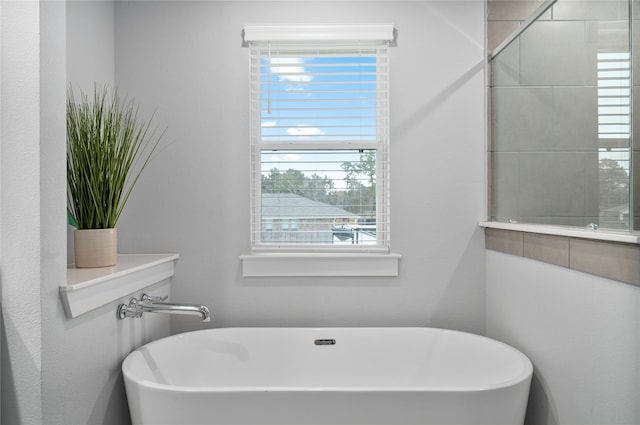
325	341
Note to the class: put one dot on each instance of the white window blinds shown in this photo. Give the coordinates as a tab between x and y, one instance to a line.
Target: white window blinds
319	136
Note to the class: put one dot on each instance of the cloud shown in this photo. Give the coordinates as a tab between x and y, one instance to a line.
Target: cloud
293	73
269	124
303	78
292	157
289	157
303	130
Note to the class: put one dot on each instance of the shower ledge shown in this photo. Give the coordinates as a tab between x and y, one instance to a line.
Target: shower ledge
88	289
574	232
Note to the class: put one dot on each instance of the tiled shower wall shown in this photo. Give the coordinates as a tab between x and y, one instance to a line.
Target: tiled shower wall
612	260
505	16
545	167
554	97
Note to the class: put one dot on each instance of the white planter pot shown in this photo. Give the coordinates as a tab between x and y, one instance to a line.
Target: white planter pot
95	247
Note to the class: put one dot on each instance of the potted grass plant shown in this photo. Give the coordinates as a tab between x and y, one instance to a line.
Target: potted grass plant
108	148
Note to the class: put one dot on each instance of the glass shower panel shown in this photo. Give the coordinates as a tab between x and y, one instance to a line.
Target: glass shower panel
561	119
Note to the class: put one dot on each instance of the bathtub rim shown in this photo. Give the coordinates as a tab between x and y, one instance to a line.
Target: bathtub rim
525	376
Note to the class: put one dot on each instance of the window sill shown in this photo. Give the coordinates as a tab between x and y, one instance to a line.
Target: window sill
319	265
88	289
573	232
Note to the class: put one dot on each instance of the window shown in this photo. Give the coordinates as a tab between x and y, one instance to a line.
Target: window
319	138
614	136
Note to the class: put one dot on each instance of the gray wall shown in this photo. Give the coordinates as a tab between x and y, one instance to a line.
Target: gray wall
187	59
581	333
21	262
90	43
54	370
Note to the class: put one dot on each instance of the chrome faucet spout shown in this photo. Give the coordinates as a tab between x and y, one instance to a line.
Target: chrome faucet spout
136	307
174	308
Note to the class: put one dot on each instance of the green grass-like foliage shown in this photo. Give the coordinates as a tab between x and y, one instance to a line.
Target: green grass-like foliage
108	147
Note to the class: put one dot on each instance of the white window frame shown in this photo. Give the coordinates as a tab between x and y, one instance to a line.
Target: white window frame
313	260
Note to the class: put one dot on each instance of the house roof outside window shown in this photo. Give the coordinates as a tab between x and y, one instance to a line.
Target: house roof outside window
289	205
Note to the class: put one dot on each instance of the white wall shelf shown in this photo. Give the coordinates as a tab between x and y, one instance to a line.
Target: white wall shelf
88	289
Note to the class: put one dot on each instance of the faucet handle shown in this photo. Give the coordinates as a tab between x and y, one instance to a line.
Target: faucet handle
129	310
153	299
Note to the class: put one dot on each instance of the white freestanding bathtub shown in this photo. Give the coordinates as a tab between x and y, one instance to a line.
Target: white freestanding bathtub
327	376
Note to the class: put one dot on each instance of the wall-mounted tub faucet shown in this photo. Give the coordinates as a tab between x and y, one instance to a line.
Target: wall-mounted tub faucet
151	304
153	299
